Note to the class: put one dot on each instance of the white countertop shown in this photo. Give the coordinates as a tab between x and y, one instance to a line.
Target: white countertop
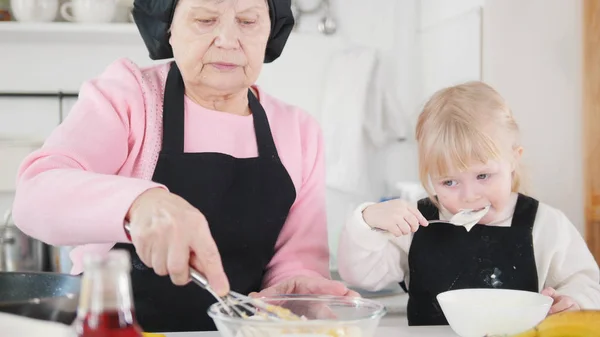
385	331
390	325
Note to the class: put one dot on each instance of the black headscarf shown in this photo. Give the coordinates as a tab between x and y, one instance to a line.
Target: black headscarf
153	19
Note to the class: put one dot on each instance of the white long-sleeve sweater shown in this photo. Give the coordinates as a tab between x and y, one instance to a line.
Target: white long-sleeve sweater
371	260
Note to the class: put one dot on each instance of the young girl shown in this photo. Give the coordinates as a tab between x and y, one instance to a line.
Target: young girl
469	152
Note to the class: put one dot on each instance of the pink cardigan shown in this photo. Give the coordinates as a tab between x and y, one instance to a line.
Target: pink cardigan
77	188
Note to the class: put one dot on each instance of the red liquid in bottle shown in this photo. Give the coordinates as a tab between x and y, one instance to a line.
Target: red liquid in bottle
105	303
109	324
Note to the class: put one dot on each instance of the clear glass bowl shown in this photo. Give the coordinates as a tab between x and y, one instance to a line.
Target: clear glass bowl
326	316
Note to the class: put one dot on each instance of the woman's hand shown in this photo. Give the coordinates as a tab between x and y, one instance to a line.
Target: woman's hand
169	235
394	216
307	285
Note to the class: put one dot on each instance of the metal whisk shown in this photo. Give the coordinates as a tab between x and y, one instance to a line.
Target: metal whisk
235	304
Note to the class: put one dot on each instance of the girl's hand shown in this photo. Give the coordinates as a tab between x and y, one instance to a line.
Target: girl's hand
394	216
561	302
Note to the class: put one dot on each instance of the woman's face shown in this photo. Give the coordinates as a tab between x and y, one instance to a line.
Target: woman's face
220	44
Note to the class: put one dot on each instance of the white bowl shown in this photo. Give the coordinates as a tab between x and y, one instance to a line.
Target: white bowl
481	312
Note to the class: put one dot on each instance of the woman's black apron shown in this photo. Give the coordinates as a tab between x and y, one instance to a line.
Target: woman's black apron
245	201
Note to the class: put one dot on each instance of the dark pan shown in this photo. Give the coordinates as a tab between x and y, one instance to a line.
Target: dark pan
40	295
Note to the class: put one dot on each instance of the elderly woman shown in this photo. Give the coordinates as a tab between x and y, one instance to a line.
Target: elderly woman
207	168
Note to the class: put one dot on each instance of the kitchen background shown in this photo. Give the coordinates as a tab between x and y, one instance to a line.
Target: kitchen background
362	68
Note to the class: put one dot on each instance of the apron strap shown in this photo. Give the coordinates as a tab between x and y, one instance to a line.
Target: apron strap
173	112
264	137
525	212
174	118
428	209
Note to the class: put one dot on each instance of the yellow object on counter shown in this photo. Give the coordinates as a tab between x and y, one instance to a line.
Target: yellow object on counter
584	323
149	334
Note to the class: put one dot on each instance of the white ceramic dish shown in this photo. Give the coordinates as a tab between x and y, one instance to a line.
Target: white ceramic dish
481	312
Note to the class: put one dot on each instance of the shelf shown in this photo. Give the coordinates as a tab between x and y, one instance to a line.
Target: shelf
66	32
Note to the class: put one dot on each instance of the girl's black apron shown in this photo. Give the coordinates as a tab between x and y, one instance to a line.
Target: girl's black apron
444	257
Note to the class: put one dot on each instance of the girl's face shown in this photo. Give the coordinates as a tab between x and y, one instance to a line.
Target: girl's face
476	187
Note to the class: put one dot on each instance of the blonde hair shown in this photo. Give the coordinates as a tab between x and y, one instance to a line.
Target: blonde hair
463	124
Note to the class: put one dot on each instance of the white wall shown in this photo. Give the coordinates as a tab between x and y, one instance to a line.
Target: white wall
424	44
387	26
532	55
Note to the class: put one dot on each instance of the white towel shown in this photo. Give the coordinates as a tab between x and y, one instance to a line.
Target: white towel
16	325
359	114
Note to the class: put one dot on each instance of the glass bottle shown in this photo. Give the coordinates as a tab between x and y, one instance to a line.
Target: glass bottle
106	302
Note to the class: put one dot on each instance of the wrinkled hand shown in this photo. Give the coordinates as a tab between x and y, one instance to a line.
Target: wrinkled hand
394	216
561	302
307	285
169	235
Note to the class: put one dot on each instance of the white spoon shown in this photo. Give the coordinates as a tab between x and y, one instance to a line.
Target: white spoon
465	217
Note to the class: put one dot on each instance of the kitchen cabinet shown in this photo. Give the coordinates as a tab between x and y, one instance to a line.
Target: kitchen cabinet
65	107
60	56
28	117
68	32
26	123
13	152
